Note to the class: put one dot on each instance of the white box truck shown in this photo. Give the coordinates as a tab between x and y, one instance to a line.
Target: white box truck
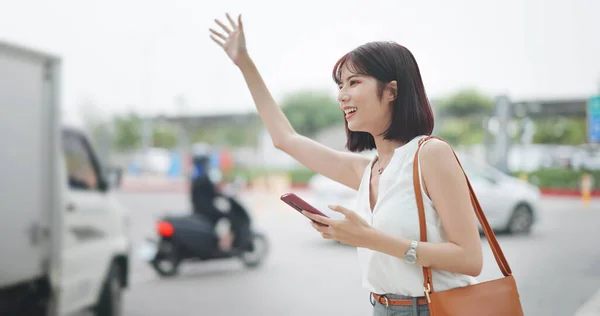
64	244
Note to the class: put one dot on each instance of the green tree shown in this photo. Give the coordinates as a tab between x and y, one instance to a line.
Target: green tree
466	103
463	113
310	111
462	131
127	131
228	135
240	135
164	136
560	130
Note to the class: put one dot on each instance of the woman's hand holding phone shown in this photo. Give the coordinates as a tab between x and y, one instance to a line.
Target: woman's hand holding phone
352	230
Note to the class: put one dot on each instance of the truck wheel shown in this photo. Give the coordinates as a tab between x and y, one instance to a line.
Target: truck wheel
111	302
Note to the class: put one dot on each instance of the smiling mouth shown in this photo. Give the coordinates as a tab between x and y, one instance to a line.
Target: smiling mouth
350	110
349	113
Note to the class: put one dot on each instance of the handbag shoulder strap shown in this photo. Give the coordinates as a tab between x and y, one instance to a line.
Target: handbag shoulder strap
489	233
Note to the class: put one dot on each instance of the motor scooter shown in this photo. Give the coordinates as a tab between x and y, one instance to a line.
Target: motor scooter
190	237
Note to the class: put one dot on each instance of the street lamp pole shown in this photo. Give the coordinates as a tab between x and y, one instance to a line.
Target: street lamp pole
147	83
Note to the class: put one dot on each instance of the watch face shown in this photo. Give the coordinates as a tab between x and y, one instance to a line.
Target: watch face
410	258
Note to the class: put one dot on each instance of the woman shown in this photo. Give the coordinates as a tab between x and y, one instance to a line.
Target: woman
383	99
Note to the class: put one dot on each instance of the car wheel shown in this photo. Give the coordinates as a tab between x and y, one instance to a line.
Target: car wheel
521	220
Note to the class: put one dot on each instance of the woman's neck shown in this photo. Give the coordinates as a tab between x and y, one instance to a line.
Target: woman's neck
386	147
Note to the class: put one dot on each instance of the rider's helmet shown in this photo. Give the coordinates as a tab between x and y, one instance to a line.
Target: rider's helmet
205	162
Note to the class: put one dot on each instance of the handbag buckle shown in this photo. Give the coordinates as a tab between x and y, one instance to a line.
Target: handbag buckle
427	290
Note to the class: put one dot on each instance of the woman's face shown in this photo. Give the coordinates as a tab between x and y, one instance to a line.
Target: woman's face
363	109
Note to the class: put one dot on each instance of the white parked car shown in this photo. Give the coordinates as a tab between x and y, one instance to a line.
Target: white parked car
510	204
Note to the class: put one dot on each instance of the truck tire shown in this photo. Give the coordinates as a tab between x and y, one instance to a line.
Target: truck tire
111	298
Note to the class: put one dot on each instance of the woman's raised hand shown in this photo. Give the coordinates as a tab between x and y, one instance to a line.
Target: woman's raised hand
233	41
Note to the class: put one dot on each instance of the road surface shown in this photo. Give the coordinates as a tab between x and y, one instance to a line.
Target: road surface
557	266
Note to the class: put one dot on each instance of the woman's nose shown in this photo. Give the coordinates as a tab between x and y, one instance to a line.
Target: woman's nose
343	97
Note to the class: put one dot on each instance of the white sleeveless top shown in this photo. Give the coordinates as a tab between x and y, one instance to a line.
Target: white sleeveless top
396	214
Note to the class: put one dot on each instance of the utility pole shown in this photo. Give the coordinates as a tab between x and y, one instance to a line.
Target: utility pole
503	113
147	86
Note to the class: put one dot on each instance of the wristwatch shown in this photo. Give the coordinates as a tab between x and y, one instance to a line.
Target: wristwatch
410	256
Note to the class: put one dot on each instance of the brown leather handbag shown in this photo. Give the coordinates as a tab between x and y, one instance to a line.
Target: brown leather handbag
498	297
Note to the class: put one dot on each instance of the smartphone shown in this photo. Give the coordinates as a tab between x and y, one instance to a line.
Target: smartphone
300	205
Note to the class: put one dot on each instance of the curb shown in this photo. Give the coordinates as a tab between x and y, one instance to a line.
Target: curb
591	307
567	192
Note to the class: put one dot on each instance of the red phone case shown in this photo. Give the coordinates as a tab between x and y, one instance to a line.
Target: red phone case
299	204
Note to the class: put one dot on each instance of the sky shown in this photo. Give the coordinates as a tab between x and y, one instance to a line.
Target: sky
156	57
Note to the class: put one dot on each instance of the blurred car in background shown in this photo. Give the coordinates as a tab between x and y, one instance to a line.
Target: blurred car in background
327	192
153	160
510	204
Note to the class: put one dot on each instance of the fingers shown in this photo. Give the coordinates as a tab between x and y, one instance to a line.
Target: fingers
318	218
326	236
326	231
320	227
340	209
223	37
223	26
231	21
217	41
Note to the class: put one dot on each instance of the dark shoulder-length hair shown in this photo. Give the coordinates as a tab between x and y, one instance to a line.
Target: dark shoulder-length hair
412	115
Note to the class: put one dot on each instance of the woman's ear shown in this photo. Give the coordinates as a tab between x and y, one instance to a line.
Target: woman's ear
391	92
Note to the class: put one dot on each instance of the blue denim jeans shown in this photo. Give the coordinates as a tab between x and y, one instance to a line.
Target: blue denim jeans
414	310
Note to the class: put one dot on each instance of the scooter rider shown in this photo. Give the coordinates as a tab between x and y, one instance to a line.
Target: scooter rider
204	194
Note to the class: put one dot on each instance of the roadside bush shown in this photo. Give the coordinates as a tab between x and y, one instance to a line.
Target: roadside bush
561	178
298	176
